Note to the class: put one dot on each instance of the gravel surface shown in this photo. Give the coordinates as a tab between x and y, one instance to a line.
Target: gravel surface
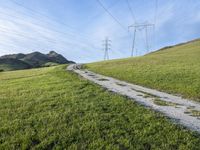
182	111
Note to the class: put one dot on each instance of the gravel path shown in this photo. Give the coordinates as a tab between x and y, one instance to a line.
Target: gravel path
181	111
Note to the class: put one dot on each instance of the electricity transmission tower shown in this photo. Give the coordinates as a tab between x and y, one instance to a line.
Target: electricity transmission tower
140	27
107	45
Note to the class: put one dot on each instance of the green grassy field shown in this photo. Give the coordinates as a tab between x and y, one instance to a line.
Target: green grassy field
174	70
49	108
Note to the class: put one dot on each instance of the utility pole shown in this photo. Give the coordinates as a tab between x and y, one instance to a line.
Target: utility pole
133	45
107	45
140	27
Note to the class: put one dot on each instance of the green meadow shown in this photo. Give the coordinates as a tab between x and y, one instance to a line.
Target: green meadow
50	108
174	70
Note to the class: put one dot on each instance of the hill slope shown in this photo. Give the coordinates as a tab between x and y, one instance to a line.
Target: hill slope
59	110
36	59
32	60
14	56
7	64
174	70
57	58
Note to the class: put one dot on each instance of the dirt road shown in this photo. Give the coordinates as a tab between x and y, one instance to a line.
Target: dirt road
181	111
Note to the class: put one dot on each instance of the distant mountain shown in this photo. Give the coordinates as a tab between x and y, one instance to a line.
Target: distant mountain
14	56
55	57
13	64
31	60
36	59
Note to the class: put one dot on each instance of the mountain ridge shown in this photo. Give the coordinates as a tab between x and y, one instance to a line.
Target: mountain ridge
31	60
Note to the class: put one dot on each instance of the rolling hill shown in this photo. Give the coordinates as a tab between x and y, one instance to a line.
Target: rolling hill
173	69
32	60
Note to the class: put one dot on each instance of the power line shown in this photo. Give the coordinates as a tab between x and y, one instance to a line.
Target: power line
50	40
49	29
106	48
140	27
131	11
6	31
32	38
133	45
12	33
99	14
41	14
108	12
156	10
155	21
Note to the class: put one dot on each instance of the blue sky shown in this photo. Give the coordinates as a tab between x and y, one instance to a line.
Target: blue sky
76	28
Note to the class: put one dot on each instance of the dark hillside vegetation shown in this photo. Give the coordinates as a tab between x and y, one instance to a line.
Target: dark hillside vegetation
32	60
36	59
7	64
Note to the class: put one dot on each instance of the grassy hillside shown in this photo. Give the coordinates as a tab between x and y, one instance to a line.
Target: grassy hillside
51	109
7	64
174	70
